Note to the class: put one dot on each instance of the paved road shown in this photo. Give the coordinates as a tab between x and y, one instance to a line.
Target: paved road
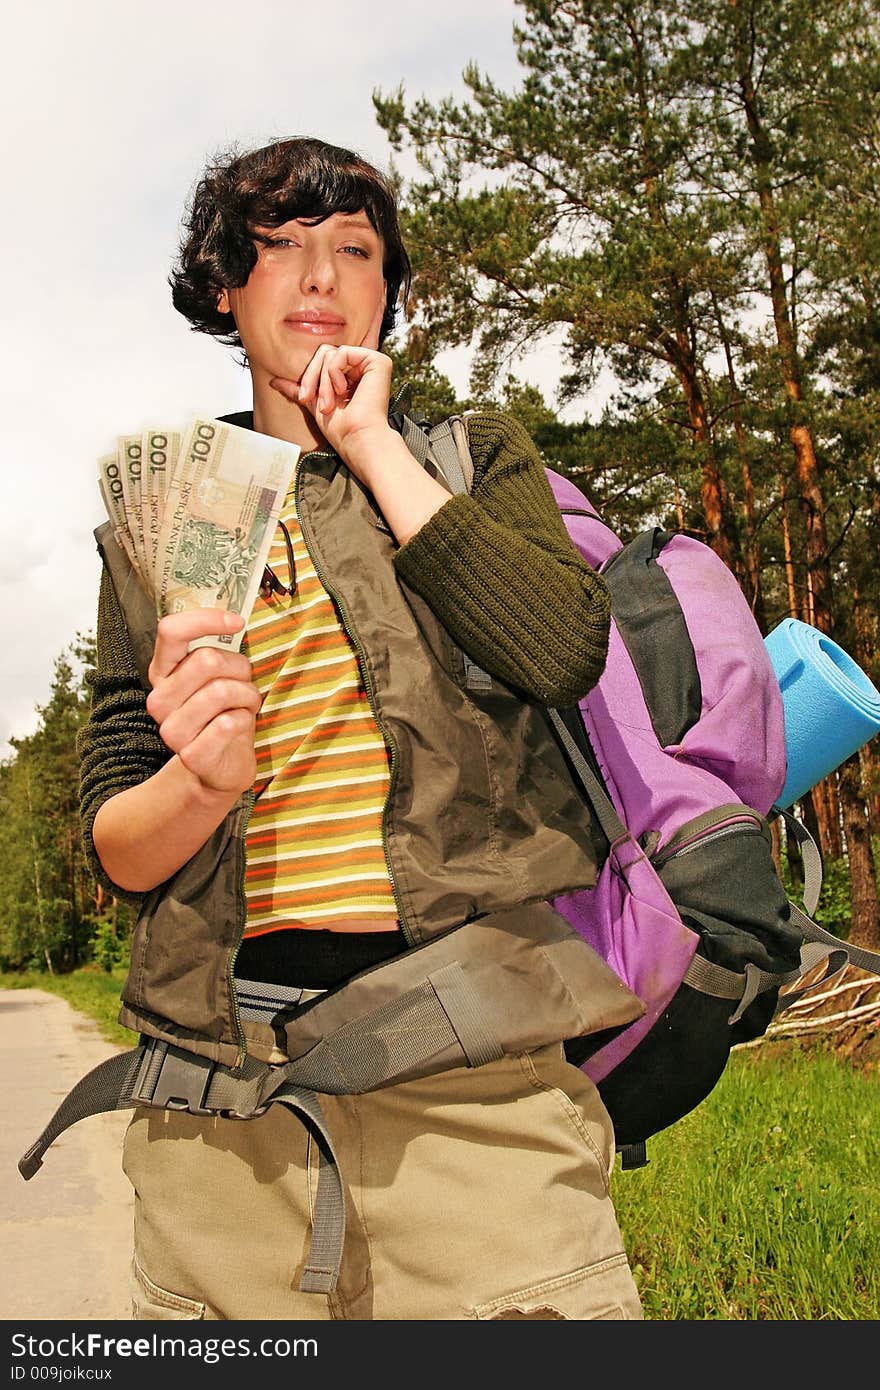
66	1234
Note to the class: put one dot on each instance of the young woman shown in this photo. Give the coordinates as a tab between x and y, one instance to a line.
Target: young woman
334	806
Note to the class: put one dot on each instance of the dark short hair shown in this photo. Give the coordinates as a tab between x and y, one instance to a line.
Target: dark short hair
238	192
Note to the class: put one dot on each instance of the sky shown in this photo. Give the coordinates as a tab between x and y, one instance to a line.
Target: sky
108	114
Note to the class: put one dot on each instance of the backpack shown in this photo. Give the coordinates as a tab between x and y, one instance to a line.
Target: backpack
680	751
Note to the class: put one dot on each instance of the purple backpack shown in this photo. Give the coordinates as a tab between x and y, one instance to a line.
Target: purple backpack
680	748
684	733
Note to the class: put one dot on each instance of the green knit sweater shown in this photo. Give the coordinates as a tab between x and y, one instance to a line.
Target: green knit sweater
497	567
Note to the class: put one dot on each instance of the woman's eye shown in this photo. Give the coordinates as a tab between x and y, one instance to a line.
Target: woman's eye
356	251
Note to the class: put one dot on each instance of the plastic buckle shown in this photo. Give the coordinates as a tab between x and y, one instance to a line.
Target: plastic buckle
181	1082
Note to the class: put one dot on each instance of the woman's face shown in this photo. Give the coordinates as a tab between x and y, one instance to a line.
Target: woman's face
312	284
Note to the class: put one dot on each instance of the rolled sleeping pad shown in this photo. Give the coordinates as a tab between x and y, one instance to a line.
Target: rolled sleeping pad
831	707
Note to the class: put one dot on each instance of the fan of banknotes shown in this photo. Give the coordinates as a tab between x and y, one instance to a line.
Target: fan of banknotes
195	509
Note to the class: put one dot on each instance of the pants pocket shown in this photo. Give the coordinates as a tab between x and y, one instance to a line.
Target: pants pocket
151	1303
602	1290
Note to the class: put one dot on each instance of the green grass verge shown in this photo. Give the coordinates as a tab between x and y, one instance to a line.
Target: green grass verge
759	1205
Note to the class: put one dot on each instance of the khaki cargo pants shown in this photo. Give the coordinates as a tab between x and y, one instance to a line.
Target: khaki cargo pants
476	1193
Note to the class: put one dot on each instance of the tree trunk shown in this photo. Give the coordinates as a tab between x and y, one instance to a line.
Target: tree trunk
678	342
865	928
789	558
776	843
819	800
35	861
717	511
752	586
812	501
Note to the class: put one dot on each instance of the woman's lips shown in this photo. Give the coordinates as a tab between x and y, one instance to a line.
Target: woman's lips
317	324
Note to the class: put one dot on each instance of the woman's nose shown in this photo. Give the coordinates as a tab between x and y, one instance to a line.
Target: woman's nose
319	275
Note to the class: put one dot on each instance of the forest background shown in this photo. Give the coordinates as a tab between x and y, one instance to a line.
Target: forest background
683	201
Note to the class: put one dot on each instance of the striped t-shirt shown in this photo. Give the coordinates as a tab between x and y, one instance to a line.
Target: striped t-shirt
314	853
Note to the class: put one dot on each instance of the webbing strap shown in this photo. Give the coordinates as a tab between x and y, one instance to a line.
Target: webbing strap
439	1015
810	858
106	1087
157	1074
446	446
328	1218
460	1003
610	822
710	978
856	955
415	439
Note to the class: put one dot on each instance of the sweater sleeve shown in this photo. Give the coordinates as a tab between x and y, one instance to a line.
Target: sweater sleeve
119	746
502	574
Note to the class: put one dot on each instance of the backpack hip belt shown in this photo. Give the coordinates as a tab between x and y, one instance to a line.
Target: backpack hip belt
476	994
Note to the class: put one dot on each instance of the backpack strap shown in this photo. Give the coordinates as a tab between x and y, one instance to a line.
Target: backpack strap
444	449
159	1075
811	858
445	445
855	955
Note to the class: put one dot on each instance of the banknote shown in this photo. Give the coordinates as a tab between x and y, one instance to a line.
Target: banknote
223	514
128	457
196	509
159	451
110	484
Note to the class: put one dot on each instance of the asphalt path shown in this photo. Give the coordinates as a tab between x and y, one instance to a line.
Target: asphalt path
66	1234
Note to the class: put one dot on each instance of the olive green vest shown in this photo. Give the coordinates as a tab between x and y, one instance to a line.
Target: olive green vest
482	815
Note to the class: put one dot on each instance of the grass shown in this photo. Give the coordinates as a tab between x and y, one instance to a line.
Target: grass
759	1205
762	1203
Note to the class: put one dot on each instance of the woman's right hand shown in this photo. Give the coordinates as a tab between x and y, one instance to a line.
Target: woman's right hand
204	701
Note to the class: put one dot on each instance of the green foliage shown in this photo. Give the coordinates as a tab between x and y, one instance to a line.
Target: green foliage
50	908
761	1204
834	910
109	947
688	194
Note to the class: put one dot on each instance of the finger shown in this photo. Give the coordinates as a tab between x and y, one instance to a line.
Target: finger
338	377
286	388
186	723
311	377
222	756
197	669
176	630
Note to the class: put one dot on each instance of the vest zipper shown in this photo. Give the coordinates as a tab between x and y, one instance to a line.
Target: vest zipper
368	687
242	912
